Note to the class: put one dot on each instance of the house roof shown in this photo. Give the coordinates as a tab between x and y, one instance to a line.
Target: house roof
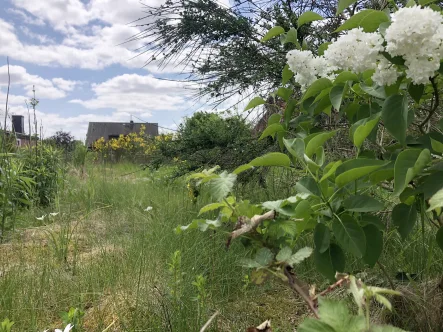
96	130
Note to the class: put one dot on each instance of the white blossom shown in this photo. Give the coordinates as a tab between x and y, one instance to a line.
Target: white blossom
386	73
149	208
356	51
416	34
68	328
307	67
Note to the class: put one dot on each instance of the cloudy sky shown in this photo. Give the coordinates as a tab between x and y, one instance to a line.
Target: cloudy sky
68	50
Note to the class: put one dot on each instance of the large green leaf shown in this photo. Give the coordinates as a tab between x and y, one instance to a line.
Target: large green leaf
362	203
375	91
296	147
416	91
322	238
367	19
317	87
330	261
395	116
314	325
284	254
404	218
431	184
308	17
436	200
299	256
349	235
382	174
336	314
273	32
211	207
272	159
287	74
330	169
221	186
439	237
316	140
264	256
343	4
374	244
346	76
409	163
271	130
257	101
362	128
308	186
354	169
336	95
291	37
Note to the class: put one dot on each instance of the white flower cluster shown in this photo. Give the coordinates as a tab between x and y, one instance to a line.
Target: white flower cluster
307	67
416	34
356	51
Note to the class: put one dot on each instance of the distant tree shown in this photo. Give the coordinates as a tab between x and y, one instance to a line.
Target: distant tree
63	140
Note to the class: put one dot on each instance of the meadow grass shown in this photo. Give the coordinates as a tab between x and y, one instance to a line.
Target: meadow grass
104	254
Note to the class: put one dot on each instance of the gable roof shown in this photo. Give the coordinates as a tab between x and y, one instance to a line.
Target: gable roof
96	130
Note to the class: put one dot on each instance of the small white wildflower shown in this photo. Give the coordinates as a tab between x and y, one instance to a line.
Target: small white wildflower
53	214
385	73
356	51
68	328
41	218
149	208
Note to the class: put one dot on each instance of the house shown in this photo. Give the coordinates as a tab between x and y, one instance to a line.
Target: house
109	130
18	132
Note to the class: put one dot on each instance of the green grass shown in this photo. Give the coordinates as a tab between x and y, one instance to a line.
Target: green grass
117	267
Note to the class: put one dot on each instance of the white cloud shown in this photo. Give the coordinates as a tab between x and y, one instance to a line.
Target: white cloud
45	88
43	39
26	18
134	93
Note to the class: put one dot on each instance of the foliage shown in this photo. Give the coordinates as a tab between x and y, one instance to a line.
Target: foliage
62	140
338	201
6	325
74	317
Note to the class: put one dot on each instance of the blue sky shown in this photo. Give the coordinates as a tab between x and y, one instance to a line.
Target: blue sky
69	50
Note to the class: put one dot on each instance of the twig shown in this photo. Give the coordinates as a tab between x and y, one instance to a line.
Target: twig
209	321
434	108
383	270
301	289
331	288
248	225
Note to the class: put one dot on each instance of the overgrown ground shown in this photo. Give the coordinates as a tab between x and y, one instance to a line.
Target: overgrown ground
103	253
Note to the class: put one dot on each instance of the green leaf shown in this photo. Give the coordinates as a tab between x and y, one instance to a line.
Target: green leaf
375	91
395	116
411	3
284	254
316	140
241	169
346	76
367	19
436	200
284	93
308	186
362	203
330	261
322	238
374	244
354	169
308	17
349	235
425	2
362	128
330	170
291	37
416	91
257	101
296	147
437	146
274	118
431	184
368	219
439	237
211	207
220	187
317	87
272	130
382	174
336	95
322	48
336	314
409	163
272	159
287	75
264	256
343	4
275	31
404	218
314	325
299	256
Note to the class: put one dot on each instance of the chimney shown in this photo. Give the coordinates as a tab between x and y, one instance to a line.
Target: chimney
18	123
131	125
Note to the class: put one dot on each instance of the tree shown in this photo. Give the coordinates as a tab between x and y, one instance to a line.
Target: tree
63	140
221	48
